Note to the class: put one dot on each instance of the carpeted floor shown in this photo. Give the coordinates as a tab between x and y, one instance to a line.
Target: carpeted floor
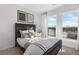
17	51
11	51
68	51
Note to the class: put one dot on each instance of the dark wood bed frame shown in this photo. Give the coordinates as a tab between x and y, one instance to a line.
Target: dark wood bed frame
19	26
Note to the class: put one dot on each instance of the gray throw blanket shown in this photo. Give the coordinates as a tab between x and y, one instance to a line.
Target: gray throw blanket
26	45
37	44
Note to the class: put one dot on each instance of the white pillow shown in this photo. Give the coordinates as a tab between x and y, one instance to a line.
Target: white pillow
31	31
33	50
38	34
24	33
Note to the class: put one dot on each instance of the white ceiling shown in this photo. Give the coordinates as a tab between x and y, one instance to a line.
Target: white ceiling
40	8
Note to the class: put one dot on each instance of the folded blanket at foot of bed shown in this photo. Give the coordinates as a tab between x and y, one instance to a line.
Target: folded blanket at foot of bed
39	47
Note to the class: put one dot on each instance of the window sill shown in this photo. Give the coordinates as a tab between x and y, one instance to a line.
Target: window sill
67	39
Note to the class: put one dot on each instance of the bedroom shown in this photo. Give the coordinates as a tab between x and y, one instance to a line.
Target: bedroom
10	20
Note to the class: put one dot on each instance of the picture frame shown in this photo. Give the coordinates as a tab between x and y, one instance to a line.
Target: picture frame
30	18
21	16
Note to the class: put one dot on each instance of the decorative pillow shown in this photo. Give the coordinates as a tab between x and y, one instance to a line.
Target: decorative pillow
31	34
37	34
27	33
31	31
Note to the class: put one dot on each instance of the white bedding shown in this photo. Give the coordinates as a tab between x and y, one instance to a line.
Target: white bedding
23	41
35	50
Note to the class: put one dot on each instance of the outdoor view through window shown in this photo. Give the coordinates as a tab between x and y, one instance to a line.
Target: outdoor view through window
69	25
52	26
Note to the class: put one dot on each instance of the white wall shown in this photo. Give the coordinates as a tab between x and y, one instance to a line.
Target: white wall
8	16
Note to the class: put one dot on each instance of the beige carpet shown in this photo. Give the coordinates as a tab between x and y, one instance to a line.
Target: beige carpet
11	51
68	51
17	51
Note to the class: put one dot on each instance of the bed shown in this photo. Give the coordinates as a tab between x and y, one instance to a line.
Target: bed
53	50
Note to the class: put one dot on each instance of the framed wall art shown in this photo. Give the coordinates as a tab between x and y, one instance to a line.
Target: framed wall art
30	18
21	16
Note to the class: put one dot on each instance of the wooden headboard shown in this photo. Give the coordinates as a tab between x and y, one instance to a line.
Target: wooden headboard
20	26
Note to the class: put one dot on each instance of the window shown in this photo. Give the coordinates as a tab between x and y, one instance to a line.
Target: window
52	26
70	25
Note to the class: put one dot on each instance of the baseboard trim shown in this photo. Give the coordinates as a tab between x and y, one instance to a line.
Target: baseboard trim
5	48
